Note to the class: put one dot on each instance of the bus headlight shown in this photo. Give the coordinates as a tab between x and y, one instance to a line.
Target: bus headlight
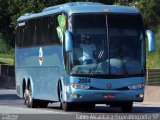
79	86
138	86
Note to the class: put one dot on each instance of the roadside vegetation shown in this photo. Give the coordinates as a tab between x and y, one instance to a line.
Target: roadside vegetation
6	59
153	59
6	52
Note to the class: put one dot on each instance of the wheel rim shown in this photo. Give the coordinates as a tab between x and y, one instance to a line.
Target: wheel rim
30	100
28	97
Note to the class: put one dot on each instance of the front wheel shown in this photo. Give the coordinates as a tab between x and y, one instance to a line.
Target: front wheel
127	107
64	105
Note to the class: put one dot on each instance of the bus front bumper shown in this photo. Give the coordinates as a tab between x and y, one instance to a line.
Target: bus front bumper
104	96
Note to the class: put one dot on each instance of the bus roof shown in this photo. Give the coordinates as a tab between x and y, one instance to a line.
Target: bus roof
80	7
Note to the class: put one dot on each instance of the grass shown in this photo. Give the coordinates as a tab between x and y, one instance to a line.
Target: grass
153	59
6	59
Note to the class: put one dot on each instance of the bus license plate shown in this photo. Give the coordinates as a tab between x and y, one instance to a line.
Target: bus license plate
109	96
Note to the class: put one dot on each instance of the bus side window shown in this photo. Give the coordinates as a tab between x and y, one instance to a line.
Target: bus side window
38	31
53	24
25	34
21	37
18	37
51	28
45	31
56	38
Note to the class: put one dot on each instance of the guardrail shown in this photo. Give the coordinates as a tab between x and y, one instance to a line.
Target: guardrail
153	77
7	76
7	70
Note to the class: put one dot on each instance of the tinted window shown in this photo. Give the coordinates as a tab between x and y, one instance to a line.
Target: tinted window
53	24
39	31
31	32
21	36
18	36
45	34
56	39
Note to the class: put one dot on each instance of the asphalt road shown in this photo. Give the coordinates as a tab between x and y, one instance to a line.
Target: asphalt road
11	104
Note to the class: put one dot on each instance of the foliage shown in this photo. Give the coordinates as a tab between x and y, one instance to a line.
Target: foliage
150	10
4	47
153	59
7	59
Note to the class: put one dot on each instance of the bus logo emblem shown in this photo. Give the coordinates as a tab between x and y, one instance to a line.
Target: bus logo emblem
40	57
109	86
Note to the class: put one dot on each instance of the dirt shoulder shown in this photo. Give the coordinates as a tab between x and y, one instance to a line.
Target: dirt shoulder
152	94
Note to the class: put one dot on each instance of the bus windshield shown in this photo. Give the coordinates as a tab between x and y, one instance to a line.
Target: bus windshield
107	45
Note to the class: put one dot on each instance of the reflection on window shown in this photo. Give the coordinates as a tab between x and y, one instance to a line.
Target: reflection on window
119	53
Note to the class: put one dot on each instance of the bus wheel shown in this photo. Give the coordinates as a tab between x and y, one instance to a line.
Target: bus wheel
26	93
30	102
127	107
64	105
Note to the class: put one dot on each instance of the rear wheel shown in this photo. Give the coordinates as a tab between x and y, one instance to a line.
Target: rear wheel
30	102
25	94
127	107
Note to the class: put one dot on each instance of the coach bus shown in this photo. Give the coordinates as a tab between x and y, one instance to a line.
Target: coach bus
49	58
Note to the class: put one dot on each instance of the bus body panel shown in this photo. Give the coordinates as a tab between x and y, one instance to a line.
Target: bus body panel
83	8
43	78
117	83
97	96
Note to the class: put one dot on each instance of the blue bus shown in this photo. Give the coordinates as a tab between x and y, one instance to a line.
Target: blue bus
82	54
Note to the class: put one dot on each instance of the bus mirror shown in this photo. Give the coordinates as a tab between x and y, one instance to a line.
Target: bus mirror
151	41
68	41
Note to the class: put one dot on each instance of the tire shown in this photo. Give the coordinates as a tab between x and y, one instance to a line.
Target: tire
63	105
25	96
127	107
30	102
66	106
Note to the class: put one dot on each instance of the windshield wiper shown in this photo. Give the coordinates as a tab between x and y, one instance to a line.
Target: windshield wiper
97	62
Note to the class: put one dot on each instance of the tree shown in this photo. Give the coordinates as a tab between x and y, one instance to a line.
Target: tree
150	10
